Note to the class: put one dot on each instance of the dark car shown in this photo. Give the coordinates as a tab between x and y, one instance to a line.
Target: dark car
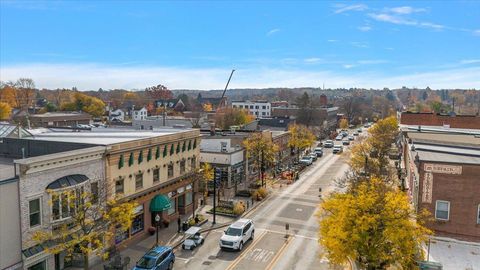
158	258
318	151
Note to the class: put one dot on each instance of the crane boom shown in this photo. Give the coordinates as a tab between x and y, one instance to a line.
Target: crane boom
220	104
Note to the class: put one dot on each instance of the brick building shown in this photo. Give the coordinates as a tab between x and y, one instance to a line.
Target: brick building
433	119
442	176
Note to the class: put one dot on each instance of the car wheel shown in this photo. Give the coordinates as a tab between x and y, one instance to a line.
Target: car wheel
201	242
240	247
251	236
170	266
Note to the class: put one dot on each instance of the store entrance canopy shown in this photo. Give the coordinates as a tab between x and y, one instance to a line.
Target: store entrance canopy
160	203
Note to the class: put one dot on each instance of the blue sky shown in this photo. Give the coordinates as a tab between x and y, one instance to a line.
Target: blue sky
122	44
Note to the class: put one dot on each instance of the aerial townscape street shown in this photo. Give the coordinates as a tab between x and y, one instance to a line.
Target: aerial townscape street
239	135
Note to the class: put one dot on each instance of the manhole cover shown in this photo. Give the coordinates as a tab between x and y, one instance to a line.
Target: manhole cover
212	257
207	263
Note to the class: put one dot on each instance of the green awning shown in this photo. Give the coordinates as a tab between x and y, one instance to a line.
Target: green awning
160	203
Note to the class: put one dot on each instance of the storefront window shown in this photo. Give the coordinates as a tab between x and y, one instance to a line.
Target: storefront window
38	266
137	224
188	198
120	235
173	209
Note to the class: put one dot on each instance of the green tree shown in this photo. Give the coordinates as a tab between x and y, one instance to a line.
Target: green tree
305	110
374	225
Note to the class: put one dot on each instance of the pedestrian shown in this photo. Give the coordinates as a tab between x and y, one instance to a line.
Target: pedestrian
196	219
179	222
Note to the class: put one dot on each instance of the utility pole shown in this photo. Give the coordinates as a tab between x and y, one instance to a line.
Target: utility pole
216	178
262	168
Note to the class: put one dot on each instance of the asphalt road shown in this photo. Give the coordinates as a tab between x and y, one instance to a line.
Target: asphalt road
296	205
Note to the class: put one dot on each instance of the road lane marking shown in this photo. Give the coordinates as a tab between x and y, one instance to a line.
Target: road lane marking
295	235
279	253
245	251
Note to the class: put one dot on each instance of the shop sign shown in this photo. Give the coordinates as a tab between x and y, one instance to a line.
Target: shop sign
427	188
181	190
189	186
440	168
138	209
172	193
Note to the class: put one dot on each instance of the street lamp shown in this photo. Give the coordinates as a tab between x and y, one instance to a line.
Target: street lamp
157	221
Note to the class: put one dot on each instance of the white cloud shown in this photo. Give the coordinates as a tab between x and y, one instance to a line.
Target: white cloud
383	17
364	28
372	62
313	60
476	32
348	66
406	10
470	61
94	76
334	40
357	7
359	44
273	31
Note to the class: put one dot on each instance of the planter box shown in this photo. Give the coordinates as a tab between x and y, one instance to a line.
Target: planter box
222	214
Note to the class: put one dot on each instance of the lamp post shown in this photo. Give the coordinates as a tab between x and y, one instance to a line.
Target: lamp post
157	221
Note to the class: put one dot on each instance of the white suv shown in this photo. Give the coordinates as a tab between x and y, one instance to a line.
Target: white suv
237	234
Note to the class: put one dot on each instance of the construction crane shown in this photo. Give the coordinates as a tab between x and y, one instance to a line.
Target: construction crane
223	99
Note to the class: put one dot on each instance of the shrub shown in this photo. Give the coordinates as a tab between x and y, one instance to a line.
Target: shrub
238	208
262	192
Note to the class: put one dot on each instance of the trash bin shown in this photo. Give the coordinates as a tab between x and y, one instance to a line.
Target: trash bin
185	226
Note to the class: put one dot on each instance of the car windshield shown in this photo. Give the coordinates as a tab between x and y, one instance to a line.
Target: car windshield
146	262
233	231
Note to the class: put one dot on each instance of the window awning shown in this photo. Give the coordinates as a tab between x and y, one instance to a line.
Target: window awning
160	203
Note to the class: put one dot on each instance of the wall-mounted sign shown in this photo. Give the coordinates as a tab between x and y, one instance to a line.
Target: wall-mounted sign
441	168
189	186
180	190
138	209
427	188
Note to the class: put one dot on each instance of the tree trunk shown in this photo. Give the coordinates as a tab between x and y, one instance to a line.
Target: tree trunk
85	262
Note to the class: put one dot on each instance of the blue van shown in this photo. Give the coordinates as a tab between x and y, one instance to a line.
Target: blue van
158	258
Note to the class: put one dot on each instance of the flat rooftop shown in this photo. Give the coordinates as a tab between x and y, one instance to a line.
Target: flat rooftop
443	137
7	169
101	136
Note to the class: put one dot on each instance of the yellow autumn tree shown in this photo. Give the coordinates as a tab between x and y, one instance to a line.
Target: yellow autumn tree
343	123
90	226
206	175
5	110
301	138
207	107
373	225
261	150
227	117
86	103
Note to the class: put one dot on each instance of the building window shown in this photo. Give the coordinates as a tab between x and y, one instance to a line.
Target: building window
251	106
156	175
182	166
442	210
138	181
38	266
170	170
234	106
94	191
478	214
61	205
263	113
188	198
119	186
264	107
34	210
172	209
193	164
137	224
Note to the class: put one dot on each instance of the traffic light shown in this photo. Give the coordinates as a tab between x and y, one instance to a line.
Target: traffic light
217	177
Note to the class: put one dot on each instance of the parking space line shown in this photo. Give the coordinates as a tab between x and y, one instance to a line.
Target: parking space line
279	253
245	251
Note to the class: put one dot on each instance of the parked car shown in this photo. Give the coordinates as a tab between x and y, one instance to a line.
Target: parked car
339	138
359	130
193	238
237	234
306	160
337	149
318	151
355	133
351	138
158	258
344	133
328	144
346	142
313	156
